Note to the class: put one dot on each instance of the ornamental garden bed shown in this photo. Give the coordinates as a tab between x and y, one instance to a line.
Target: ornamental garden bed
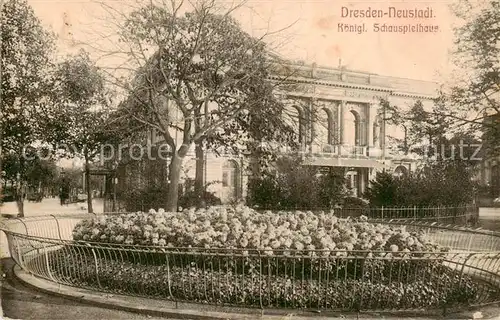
237	256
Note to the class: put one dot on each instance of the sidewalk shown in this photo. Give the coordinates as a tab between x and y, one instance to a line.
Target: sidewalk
22	302
48	206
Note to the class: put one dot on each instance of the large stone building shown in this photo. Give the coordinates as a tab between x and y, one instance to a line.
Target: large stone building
339	120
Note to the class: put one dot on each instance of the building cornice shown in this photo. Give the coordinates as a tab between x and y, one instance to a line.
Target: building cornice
341	78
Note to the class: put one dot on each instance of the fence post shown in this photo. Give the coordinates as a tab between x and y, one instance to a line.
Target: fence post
58	226
414	212
96	265
382	212
47	264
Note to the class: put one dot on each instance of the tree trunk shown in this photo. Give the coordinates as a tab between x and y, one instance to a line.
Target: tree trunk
87	184
405	143
20	197
174	175
430	152
199	177
200	172
255	166
20	188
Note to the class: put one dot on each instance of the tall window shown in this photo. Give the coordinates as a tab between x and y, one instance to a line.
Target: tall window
352	128
324	127
231	178
295	118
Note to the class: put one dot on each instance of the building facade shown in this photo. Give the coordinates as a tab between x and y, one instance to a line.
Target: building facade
489	176
339	119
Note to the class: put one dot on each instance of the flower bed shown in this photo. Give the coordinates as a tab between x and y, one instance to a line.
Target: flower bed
242	227
282	259
434	288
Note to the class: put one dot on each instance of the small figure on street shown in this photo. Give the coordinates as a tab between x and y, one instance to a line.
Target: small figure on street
63	193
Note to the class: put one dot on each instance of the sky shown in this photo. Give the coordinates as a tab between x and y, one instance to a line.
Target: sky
310	32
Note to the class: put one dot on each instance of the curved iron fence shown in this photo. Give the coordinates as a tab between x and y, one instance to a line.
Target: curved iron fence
467	274
459	215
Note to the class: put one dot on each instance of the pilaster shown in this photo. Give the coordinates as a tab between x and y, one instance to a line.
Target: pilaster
382	132
312	118
370	110
340	126
362	132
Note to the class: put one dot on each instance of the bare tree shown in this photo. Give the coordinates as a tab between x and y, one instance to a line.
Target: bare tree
196	78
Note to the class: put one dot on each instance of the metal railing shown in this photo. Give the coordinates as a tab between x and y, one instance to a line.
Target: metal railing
338	150
466	274
457	215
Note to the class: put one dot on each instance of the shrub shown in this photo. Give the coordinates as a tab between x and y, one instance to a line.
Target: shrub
355	202
155	196
263	192
190	199
295	186
142	198
443	183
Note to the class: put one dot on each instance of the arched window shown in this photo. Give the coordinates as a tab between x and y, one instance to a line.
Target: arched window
324	127
352	126
231	179
295	118
400	171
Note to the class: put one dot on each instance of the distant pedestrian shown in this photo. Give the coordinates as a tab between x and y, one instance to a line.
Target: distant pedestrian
63	194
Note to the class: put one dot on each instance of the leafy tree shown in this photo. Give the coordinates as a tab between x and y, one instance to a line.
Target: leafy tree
332	187
25	64
199	80
472	100
383	190
41	173
424	130
83	114
37	172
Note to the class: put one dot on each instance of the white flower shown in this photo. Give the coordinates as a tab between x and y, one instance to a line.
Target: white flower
268	251
275	244
243	242
298	245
